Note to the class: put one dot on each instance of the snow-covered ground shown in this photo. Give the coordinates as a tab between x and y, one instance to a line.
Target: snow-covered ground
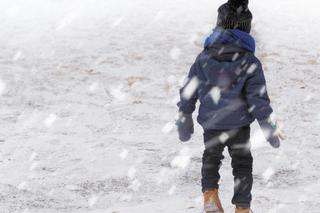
88	91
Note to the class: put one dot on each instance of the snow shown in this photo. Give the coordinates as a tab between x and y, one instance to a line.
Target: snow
190	88
168	127
175	53
2	87
268	174
88	91
224	137
215	94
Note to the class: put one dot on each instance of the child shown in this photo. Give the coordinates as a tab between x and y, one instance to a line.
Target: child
228	81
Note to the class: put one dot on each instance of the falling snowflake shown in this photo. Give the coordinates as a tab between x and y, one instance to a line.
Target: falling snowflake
175	53
135	185
251	109
33	166
205	65
190	88
33	156
117	93
117	22
237	183
22	185
224	137
235	56
159	16
2	86
295	166
162	176
268	174
123	155
263	91
67	20
258	139
168	128
221	50
93	200
132	172
50	120
17	56
93	87
182	160
172	190
308	98
252	68
215	94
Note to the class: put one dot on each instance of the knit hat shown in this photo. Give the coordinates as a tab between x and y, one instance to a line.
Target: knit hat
235	14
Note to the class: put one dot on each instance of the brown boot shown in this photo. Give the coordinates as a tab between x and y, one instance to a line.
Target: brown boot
243	210
212	202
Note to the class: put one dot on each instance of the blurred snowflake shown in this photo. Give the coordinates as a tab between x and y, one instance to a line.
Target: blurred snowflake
2	86
93	200
168	128
215	94
268	174
132	172
182	160
252	68
135	185
117	22
50	120
190	88
172	190
175	53
124	154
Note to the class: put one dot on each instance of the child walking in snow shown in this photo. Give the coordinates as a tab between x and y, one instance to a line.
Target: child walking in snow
228	81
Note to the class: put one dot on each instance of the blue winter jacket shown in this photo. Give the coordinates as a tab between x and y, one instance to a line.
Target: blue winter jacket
228	81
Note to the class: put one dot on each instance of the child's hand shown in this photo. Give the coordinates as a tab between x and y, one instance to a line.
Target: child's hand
185	127
272	132
279	131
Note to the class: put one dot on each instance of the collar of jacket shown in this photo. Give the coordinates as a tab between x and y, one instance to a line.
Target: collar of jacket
236	37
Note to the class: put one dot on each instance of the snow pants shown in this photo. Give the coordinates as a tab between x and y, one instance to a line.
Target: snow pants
238	144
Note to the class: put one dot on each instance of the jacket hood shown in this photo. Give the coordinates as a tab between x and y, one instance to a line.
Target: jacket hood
231	38
226	52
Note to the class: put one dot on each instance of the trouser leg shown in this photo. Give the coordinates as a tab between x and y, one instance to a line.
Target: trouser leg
211	160
239	149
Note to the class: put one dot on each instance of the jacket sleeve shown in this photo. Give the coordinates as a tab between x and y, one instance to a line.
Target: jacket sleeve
189	92
256	92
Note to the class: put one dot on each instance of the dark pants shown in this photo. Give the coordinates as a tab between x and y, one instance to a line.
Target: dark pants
238	145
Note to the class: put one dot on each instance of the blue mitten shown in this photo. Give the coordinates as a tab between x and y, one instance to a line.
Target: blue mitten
185	126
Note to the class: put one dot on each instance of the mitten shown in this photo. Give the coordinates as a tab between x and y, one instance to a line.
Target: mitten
185	126
270	131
